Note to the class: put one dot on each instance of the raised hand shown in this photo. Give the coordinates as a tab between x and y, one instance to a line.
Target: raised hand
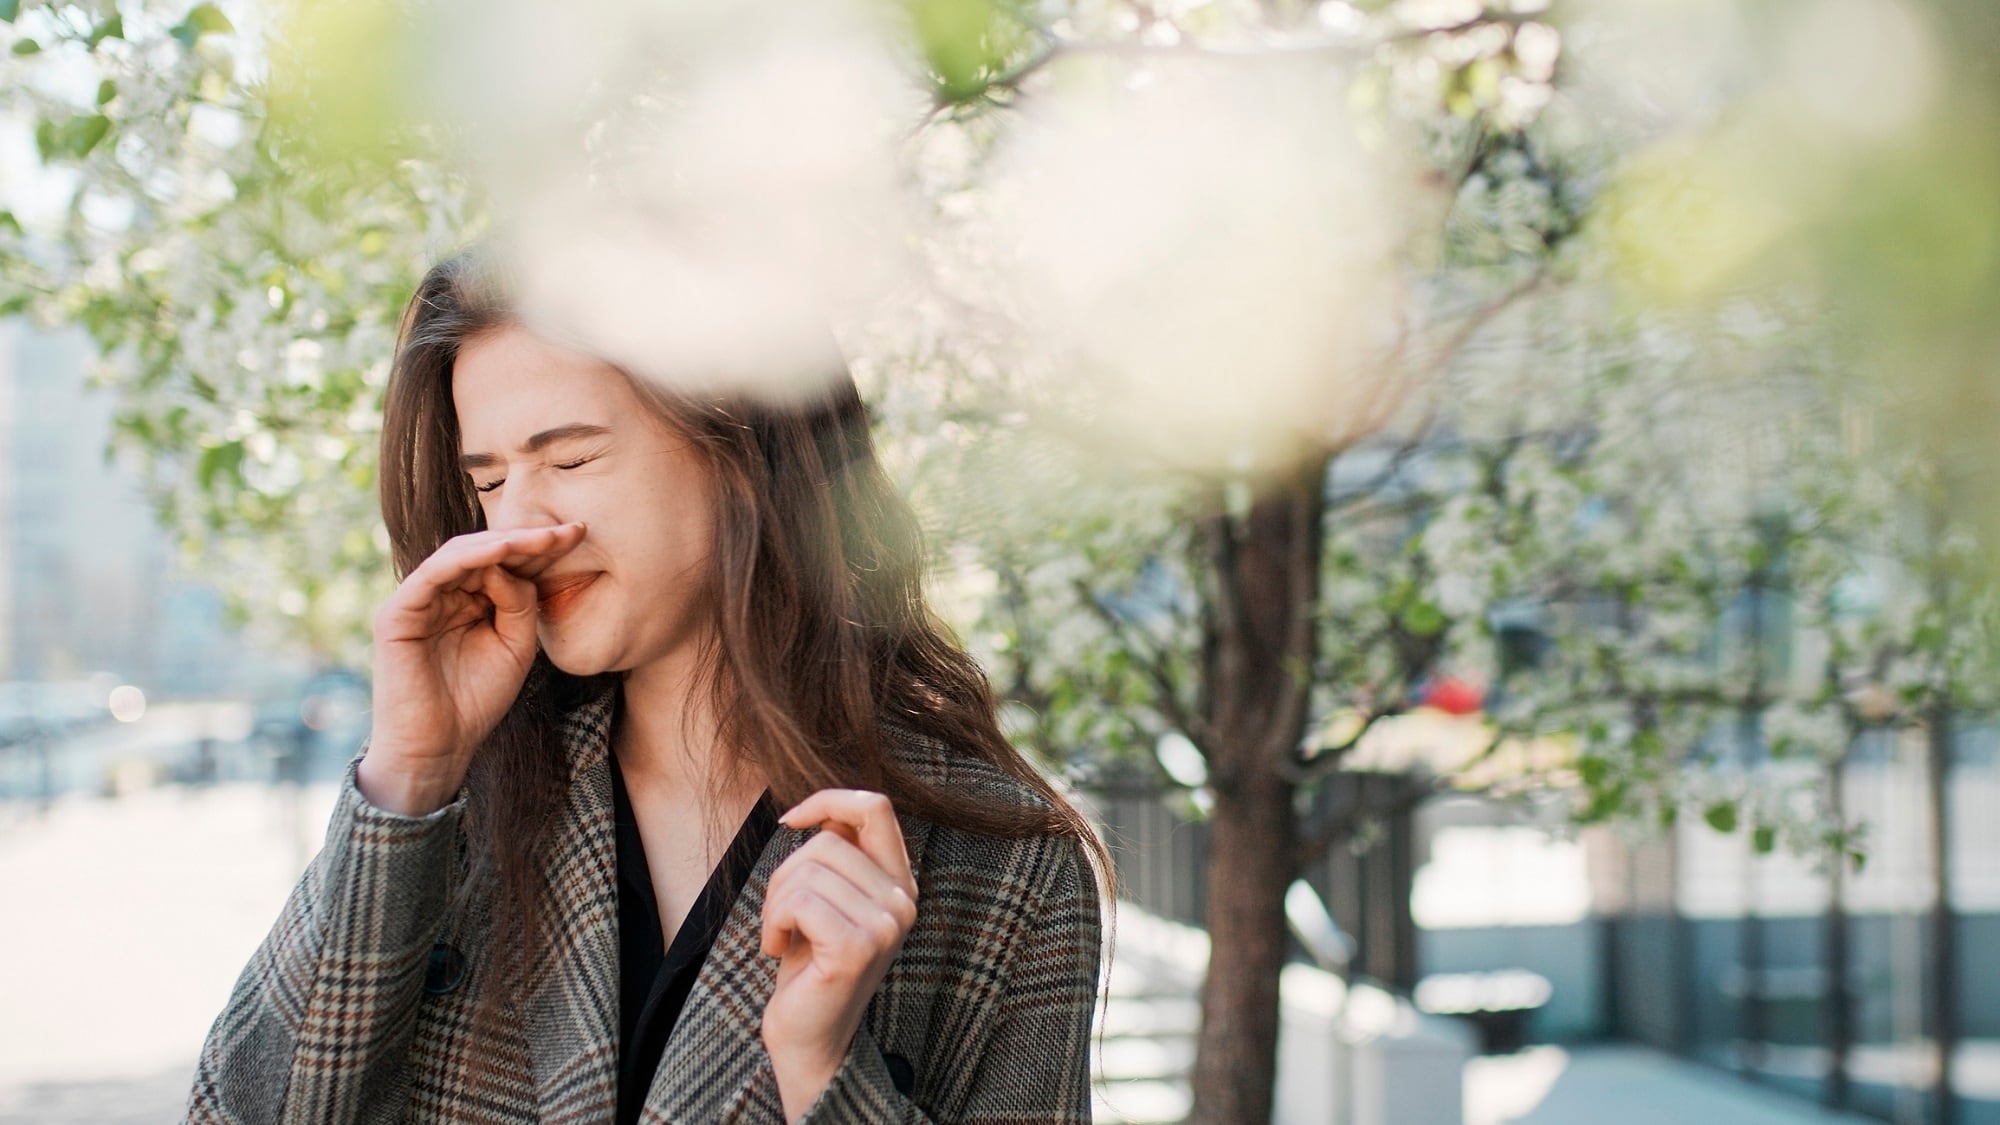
453	645
836	913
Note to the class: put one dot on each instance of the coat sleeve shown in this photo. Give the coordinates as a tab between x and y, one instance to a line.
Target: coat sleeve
1036	1066
318	1024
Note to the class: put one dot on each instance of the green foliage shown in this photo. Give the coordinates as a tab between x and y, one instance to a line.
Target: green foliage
113	27
203	19
73	138
1558	448
1721	816
246	331
966	43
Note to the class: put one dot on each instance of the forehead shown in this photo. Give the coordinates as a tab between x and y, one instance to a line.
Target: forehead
509	383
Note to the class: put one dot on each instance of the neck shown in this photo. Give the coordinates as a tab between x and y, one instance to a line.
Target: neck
667	731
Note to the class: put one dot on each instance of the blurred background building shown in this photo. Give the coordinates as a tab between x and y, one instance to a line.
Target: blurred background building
1870	988
87	575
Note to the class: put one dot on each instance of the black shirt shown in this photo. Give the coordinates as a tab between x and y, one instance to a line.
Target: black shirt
653	983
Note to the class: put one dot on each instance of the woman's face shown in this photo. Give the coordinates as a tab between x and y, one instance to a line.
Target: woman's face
548	435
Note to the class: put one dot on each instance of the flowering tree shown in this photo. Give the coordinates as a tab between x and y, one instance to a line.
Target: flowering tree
242	292
1259	373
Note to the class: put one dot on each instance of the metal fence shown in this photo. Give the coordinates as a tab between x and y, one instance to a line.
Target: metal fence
1159	845
1875	990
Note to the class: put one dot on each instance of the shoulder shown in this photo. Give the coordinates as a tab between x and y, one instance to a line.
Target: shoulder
944	768
1050	875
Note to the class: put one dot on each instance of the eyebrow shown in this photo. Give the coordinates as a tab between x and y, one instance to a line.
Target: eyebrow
536	443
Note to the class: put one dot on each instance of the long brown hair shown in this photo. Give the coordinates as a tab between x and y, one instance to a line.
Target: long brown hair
822	632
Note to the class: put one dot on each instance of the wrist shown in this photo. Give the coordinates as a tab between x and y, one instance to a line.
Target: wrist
400	790
803	1074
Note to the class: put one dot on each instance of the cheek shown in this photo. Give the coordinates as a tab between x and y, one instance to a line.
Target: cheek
653	536
681	510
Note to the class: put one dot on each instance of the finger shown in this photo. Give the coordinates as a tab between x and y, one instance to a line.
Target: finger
870	820
464	554
447	590
542	548
840	856
882	918
775	939
514	608
838	941
846	861
869	917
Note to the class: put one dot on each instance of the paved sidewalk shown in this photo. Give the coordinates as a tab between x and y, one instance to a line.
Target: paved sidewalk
1628	1085
128	920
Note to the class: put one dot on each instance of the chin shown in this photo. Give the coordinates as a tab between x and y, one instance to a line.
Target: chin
573	656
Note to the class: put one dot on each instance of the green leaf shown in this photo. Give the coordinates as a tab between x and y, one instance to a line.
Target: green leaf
27	47
113	28
1593	770
1423	619
9	222
962	40
89	131
106	90
207	19
1604	805
217	460
9	9
1763	839
1721	816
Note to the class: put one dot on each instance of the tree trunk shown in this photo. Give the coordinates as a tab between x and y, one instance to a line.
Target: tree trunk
1259	641
1236	1060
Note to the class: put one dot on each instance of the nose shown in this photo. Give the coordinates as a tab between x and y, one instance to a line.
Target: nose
523	501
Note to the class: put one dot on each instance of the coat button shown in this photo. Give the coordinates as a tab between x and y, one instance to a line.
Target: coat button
446	970
901	1073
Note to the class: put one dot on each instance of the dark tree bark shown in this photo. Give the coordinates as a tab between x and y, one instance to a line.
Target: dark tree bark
1235	1067
1259	641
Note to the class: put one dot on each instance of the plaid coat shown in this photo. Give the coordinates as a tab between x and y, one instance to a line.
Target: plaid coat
358	1005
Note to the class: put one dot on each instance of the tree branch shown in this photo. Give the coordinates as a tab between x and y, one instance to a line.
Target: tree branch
1317	839
1356	48
1301	770
1151	660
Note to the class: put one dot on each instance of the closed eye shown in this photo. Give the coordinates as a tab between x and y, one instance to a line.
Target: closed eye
578	463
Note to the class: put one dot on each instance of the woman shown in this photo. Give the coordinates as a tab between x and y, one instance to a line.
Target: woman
677	805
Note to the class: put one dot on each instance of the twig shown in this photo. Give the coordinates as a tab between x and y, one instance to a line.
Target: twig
1151	660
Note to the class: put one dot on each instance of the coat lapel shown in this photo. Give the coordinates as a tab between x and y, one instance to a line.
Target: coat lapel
715	1067
572	1012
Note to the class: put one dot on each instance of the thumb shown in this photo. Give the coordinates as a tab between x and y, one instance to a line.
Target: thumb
513	601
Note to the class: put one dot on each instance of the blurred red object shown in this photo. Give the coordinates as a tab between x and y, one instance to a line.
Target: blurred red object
1452	696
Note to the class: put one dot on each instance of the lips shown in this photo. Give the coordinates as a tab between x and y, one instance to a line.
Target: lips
558	593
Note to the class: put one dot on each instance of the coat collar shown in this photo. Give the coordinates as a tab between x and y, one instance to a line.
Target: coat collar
715	1054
